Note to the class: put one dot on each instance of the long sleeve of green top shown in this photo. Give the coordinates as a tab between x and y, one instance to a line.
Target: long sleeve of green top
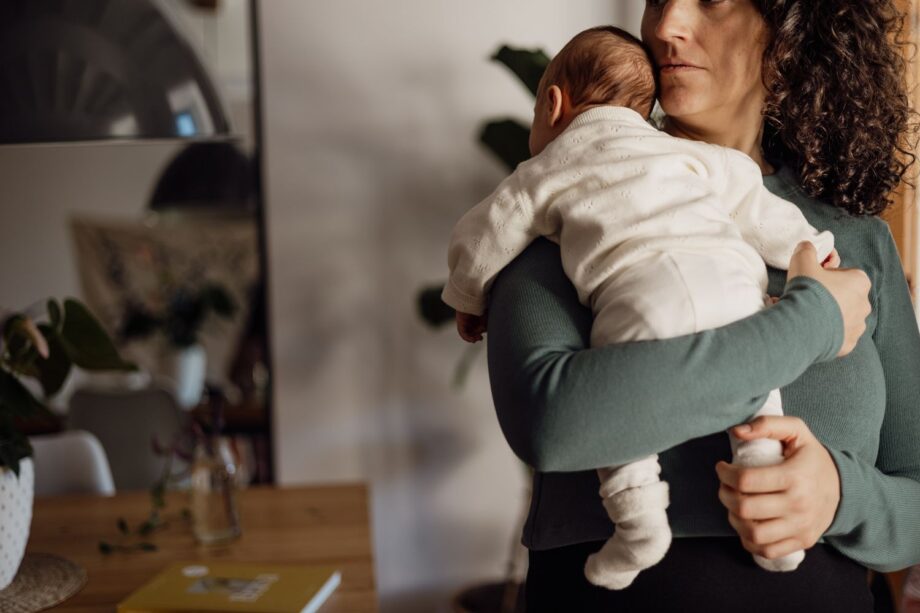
567	409
878	520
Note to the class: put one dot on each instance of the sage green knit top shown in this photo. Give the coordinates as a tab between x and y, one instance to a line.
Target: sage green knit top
566	409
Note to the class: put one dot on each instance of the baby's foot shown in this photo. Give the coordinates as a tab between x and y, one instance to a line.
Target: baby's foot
602	575
759	452
783	564
640	540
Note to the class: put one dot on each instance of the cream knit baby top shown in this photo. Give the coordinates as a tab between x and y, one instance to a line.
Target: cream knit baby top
612	189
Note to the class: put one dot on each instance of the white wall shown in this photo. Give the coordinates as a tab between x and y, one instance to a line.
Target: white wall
42	185
371	115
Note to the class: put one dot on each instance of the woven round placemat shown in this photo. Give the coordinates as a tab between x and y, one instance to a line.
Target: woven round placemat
43	580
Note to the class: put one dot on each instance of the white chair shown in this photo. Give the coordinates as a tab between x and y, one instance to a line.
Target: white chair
71	462
126	422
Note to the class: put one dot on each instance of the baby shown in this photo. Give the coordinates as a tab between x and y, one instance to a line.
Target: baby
660	236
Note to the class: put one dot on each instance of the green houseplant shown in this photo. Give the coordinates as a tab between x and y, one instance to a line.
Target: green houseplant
507	139
44	350
180	320
182	312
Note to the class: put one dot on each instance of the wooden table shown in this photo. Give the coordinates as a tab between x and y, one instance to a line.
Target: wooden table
322	525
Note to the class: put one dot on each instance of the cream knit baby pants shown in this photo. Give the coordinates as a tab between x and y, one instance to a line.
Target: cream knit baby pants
663	296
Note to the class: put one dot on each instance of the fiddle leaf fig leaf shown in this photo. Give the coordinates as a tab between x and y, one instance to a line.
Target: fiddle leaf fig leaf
508	139
527	65
87	343
15	398
432	308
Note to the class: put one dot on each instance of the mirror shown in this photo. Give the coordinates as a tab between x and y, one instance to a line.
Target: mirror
160	238
101	69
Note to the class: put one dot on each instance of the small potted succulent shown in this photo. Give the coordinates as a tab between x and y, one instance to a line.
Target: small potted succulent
42	347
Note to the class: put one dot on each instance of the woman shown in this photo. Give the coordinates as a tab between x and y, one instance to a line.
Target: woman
822	81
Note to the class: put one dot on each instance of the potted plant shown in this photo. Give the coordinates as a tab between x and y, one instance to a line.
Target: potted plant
508	140
185	308
44	351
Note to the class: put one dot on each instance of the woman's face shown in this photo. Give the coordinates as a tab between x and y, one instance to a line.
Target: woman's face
708	54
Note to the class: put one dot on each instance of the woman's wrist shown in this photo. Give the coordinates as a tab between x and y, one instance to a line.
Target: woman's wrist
822	311
852	497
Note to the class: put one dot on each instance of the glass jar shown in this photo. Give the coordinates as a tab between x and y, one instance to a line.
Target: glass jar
215	513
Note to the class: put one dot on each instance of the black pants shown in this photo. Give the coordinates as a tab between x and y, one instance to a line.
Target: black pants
711	575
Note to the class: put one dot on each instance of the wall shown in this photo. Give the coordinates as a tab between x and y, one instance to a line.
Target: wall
371	115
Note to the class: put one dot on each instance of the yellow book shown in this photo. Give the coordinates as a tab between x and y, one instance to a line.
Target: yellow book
228	586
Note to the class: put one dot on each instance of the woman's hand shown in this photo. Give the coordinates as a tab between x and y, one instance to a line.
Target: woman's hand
848	286
783	508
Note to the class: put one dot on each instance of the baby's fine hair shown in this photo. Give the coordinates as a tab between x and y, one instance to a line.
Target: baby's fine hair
604	65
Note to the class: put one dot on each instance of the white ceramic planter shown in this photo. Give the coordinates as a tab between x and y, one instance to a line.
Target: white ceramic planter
191	367
15	517
186	370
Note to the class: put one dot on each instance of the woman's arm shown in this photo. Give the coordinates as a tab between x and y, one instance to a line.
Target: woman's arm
878	518
565	407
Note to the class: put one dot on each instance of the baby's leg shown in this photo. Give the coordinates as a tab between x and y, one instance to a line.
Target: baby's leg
765	452
646	301
761	451
635	499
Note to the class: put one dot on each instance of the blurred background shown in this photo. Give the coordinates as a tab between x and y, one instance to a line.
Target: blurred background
272	245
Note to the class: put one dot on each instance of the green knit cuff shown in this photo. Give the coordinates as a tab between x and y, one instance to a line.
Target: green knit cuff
826	315
852	495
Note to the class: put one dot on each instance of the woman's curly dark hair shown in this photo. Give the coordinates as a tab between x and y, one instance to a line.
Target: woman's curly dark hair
837	107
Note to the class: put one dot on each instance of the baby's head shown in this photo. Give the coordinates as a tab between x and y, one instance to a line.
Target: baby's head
600	66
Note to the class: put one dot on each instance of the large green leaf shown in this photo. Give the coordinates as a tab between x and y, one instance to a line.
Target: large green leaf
14	445
432	308
508	139
218	299
15	399
16	343
87	343
53	371
527	65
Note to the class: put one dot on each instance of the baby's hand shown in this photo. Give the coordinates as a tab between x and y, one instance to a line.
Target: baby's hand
832	260
471	327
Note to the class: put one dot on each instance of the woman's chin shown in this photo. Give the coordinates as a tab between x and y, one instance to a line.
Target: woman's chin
682	103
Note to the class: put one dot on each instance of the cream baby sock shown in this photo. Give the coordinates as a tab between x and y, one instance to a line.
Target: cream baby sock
766	452
635	499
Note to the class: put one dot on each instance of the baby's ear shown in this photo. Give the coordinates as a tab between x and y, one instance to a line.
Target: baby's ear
555	104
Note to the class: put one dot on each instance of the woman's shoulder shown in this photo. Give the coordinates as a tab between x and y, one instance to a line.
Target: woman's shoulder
863	241
867	237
